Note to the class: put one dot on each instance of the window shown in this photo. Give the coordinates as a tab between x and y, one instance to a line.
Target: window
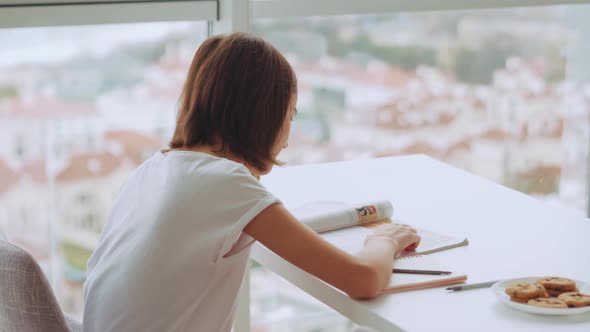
81	107
501	93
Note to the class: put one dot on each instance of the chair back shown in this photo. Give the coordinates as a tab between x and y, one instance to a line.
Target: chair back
27	302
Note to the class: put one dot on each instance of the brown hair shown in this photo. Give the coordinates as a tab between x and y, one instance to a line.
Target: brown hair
237	93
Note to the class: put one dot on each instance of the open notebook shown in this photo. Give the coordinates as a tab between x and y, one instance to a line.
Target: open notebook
344	226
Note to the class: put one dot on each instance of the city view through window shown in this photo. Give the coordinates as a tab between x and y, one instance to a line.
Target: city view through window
503	94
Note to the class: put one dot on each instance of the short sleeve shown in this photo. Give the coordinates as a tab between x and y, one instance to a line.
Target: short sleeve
246	198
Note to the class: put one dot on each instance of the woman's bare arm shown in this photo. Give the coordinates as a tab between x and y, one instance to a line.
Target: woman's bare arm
361	276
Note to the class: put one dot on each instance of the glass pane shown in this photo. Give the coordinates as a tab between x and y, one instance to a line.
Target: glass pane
500	93
80	108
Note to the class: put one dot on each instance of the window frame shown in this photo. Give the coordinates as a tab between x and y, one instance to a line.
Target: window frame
294	8
35	13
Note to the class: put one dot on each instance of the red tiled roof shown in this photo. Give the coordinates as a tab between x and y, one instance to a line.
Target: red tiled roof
463	144
496	134
134	139
542	171
8	177
415	148
176	63
41	107
421	148
135	144
36	170
85	166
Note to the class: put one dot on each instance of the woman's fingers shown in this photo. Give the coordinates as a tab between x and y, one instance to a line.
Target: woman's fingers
409	228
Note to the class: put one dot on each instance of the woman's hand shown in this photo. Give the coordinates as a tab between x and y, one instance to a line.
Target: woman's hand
403	237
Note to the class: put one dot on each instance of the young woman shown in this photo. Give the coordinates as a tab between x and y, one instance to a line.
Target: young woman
174	250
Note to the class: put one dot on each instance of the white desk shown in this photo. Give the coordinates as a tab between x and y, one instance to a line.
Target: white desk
510	235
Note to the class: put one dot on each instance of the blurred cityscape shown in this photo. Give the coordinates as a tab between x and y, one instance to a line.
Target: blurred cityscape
500	93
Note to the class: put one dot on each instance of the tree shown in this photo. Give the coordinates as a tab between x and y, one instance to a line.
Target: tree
407	57
8	91
477	65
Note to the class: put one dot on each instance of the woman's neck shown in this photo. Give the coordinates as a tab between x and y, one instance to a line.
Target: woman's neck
217	151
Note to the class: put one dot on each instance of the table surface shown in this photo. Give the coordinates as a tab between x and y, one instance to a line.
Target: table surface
511	235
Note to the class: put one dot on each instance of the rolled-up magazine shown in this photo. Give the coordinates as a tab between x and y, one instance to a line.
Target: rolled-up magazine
328	216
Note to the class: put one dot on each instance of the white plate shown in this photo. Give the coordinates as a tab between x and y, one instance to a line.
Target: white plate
499	287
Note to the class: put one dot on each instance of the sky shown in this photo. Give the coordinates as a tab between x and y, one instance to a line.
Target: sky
49	45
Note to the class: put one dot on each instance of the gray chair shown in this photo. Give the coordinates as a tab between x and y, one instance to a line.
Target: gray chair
27	302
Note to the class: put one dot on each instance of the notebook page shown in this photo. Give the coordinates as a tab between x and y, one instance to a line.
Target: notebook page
352	240
432	242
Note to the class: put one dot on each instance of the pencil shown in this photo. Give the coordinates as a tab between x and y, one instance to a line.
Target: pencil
472	286
430	272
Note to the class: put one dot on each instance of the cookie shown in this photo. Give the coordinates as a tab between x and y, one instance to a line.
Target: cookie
575	299
526	291
557	284
512	289
516	299
556	293
547	302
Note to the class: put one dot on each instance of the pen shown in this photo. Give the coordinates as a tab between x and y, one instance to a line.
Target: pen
472	286
431	272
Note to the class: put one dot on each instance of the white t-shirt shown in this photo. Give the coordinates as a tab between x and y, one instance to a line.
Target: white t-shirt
160	265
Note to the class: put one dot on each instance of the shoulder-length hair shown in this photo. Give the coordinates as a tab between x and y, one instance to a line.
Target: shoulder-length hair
237	94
